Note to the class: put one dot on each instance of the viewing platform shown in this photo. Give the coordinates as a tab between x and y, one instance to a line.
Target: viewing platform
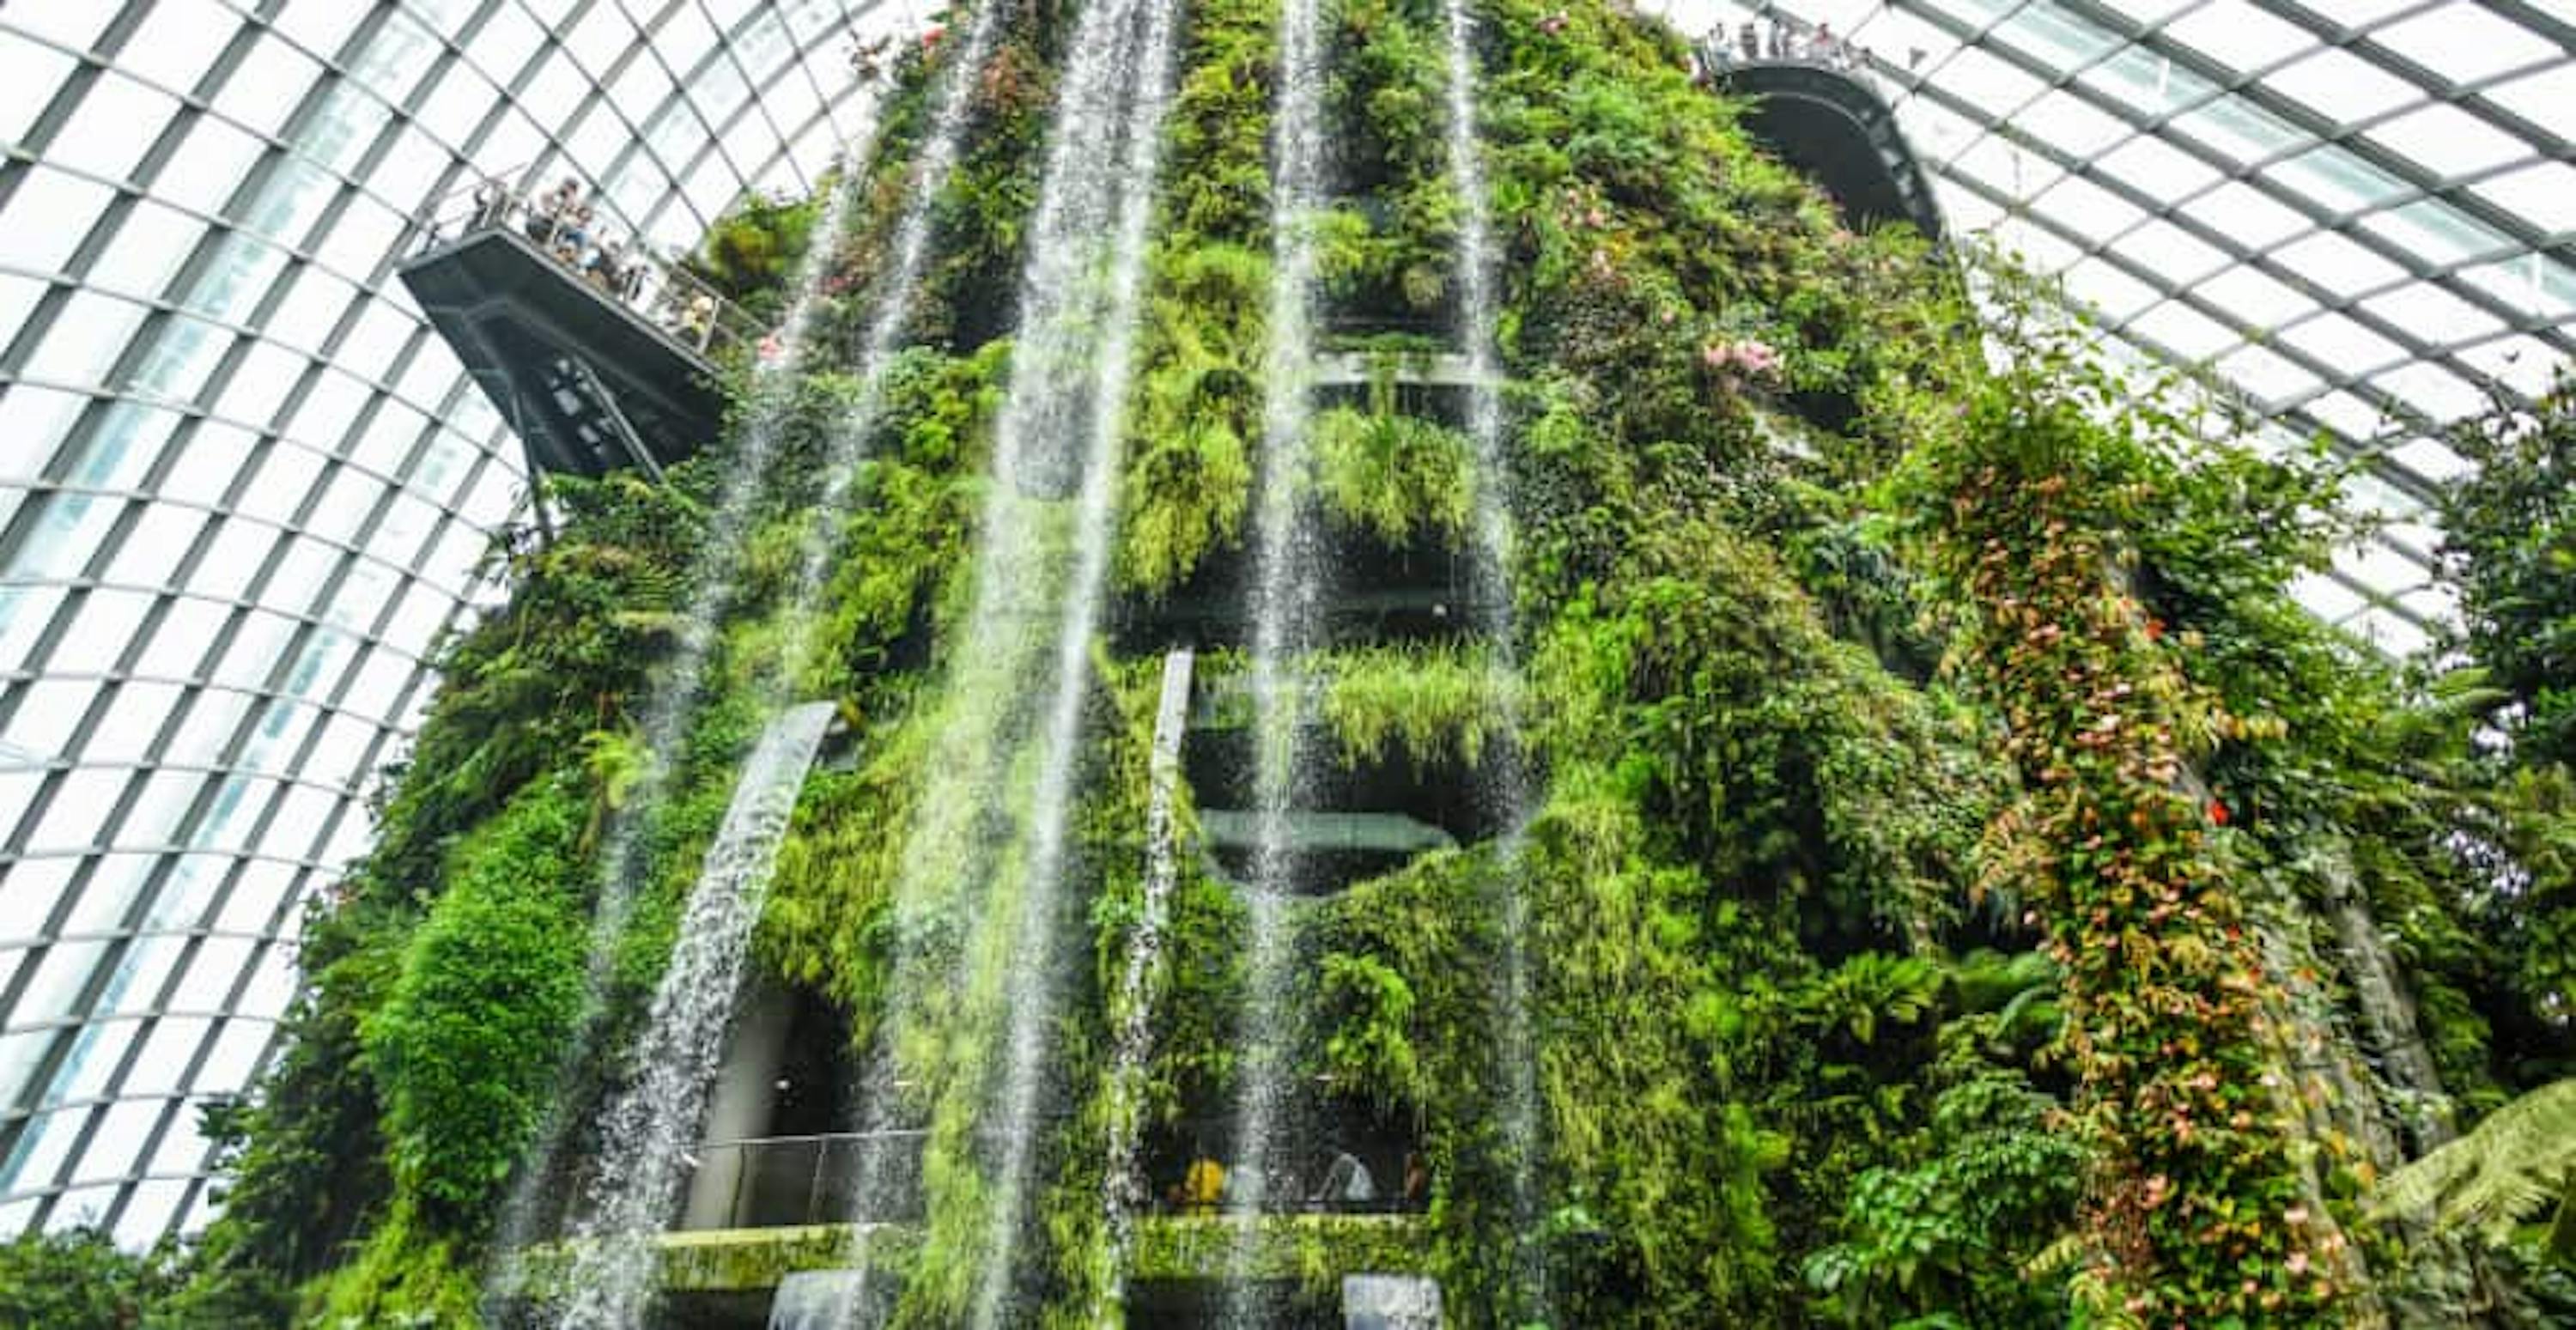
1826	121
599	359
1167	1247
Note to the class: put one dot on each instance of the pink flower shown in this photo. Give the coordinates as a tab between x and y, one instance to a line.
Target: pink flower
1752	356
2298	1263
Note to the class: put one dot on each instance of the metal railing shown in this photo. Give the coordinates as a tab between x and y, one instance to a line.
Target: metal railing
575	228
781	1181
785	1181
1782	41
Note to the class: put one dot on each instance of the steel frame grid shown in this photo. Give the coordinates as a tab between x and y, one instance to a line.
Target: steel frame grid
743	147
2000	30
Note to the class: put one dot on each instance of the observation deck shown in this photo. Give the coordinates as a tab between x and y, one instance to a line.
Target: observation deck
599	360
721	1278
1831	125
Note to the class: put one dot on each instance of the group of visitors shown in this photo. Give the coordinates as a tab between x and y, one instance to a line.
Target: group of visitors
1208	1187
565	219
564	222
1780	40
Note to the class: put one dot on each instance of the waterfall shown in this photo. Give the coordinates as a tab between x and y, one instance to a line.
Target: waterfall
1040	561
817	1299
648	1127
672	703
1123	1187
651	1124
1287	568
1139	71
1509	792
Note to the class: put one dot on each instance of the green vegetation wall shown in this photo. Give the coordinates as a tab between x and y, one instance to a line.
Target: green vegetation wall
1966	889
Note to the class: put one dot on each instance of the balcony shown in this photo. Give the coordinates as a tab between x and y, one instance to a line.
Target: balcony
600	360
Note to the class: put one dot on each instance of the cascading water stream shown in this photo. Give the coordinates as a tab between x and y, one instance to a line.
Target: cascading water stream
1142	66
649	1124
652	1123
672	704
1509	790
1123	1187
1061	425
816	1299
1287	571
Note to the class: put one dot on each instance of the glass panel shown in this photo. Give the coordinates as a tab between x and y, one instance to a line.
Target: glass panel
149	1210
179	42
204	172
2464	43
115	124
174	1041
265	87
118	1142
48	1143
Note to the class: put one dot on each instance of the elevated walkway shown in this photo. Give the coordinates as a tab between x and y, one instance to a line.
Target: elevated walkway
1834	127
1167	1248
589	380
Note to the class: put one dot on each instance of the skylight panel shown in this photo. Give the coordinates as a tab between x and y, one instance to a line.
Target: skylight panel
2542	98
2361	14
2146	82
75	26
2426	310
2343	86
2087	208
2465	42
2382	569
2148	12
2062	39
1985	79
2435	602
2237	127
2449	142
2249	216
2519	363
2104	286
2267	376
2327	598
2429	459
2536	287
2172	253
2337	264
2340	340
2158	168
2441	233
2183	333
180	38
2072	123
2009	168
2238	35
2368	496
2260	302
2045	250
2543	193
2339	179
2441	396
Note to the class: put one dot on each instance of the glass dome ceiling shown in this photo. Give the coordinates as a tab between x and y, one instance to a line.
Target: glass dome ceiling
2356	214
243	485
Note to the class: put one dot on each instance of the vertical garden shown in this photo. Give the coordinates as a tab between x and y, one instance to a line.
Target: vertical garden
1956	883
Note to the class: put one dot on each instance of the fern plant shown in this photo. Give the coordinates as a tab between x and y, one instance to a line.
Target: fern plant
2521	1158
